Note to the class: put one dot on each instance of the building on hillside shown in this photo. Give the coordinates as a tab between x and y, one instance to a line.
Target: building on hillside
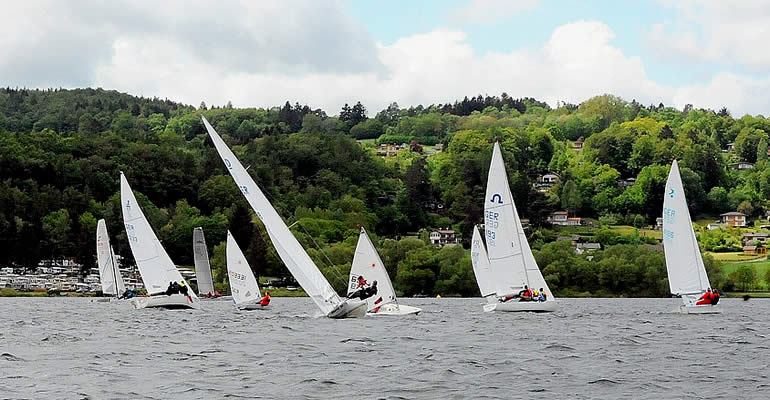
581	248
754	250
759	237
546	181
623	183
443	237
578	144
659	224
574	239
743	165
562	218
733	219
714	226
387	150
730	148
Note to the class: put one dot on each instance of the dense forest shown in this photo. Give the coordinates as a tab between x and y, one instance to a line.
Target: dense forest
61	152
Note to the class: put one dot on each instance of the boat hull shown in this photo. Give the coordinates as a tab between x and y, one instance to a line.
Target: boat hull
523	306
252	307
702	309
395	310
175	301
350	308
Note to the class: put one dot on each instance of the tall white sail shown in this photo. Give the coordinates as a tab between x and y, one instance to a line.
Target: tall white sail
154	264
109	275
480	262
288	248
367	263
202	265
510	257
243	284
686	272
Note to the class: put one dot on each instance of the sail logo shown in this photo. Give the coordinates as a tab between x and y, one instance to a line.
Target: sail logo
497	196
128	205
228	164
671	193
244	189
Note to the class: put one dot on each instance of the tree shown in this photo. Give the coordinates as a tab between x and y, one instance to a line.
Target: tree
745	277
570	197
746	208
762	149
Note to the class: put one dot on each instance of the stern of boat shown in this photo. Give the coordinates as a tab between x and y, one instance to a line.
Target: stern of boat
350	308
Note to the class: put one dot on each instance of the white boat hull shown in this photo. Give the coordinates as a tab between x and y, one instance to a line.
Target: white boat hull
702	309
395	309
173	301
523	306
252	307
350	308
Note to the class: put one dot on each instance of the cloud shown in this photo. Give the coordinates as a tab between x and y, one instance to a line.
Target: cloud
740	94
490	11
718	32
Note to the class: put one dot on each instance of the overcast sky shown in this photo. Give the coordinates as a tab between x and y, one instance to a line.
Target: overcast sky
326	53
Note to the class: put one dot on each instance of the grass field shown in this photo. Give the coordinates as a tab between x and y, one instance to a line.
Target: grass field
735	257
629	230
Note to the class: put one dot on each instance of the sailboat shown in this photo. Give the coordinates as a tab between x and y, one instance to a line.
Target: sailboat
511	264
686	272
286	245
202	265
367	263
109	273
154	264
243	284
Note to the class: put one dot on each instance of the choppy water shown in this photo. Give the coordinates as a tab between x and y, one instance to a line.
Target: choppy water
592	348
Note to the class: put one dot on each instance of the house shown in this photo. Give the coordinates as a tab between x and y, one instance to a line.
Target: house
742	165
574	239
754	250
715	226
581	248
562	218
443	237
730	147
733	219
578	144
750	238
387	150
623	183
433	206
659	224
545	182
767	213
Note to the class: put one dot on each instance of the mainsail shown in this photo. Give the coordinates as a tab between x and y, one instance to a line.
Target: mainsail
510	258
686	271
480	262
367	263
109	274
154	264
243	284
289	249
202	265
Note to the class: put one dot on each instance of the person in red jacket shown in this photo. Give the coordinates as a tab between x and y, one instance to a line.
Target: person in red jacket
714	297
705	299
265	299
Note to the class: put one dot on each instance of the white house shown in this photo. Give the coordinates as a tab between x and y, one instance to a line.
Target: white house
443	237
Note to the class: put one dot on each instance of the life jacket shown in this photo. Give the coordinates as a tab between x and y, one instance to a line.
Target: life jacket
529	292
265	300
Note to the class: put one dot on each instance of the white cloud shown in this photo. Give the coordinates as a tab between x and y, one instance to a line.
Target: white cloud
489	11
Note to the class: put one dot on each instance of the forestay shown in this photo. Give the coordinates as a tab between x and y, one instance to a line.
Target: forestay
202	265
480	263
289	249
686	272
367	263
510	258
243	284
154	264
109	275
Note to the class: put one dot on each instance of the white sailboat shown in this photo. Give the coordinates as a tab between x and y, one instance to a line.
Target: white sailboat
480	262
511	262
243	284
367	263
202	265
686	272
154	264
109	273
286	245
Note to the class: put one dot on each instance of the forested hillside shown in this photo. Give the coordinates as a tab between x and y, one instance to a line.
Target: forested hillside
61	152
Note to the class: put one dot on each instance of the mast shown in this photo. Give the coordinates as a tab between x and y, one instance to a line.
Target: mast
114	272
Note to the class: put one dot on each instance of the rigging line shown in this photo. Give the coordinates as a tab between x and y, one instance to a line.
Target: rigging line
331	264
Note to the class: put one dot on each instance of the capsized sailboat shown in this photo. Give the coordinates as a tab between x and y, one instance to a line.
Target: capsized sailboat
202	265
511	264
686	272
367	264
243	284
109	273
155	266
286	245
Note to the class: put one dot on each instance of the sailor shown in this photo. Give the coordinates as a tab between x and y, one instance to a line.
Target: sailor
714	297
371	291
173	288
265	299
525	294
705	299
183	290
543	296
361	282
535	295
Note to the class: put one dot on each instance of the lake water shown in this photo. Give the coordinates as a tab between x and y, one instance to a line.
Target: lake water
592	348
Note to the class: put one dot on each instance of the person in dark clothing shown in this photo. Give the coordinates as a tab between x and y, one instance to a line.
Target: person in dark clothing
173	288
183	290
127	294
714	297
364	293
